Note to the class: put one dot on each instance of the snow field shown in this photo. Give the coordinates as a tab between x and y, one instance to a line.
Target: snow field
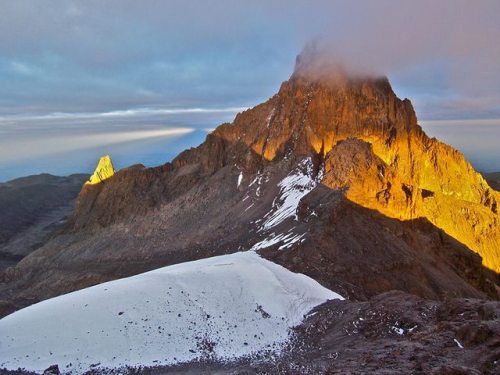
221	308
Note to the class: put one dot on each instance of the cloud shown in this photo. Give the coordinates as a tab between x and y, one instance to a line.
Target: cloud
32	148
23	69
442	54
135	112
465	123
102	56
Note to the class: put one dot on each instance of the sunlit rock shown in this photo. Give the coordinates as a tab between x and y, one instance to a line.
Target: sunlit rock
103	171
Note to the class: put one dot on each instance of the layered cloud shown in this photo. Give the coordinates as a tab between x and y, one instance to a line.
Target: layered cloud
101	56
134	114
65	142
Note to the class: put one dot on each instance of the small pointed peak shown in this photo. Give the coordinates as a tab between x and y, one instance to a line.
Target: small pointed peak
103	171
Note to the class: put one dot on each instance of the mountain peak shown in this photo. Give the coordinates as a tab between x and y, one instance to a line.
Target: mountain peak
103	171
370	144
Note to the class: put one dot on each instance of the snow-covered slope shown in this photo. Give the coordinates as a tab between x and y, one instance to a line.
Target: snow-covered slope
222	308
292	189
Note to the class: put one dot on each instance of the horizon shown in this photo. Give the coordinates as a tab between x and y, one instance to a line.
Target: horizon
477	139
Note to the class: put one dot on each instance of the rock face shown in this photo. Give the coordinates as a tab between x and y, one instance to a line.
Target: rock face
103	171
332	177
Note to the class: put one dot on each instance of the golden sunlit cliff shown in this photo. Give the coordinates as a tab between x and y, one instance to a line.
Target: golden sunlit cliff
404	174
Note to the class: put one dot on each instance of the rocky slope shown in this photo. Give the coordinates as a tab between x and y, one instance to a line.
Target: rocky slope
33	209
393	333
332	177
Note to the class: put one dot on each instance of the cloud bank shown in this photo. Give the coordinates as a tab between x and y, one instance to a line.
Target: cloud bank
134	113
71	56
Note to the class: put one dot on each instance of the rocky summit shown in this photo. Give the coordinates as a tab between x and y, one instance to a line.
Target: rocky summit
332	177
103	171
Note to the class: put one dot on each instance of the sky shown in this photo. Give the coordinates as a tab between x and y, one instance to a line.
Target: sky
143	80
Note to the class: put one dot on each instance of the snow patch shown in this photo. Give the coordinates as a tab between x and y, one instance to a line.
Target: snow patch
288	240
399	331
240	178
220	308
258	181
292	188
249	207
458	343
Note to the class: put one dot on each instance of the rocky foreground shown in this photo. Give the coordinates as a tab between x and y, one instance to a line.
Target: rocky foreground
393	333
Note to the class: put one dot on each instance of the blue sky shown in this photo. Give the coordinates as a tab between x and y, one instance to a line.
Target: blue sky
66	65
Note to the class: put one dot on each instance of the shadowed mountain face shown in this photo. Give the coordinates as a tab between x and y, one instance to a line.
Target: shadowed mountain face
33	208
330	177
